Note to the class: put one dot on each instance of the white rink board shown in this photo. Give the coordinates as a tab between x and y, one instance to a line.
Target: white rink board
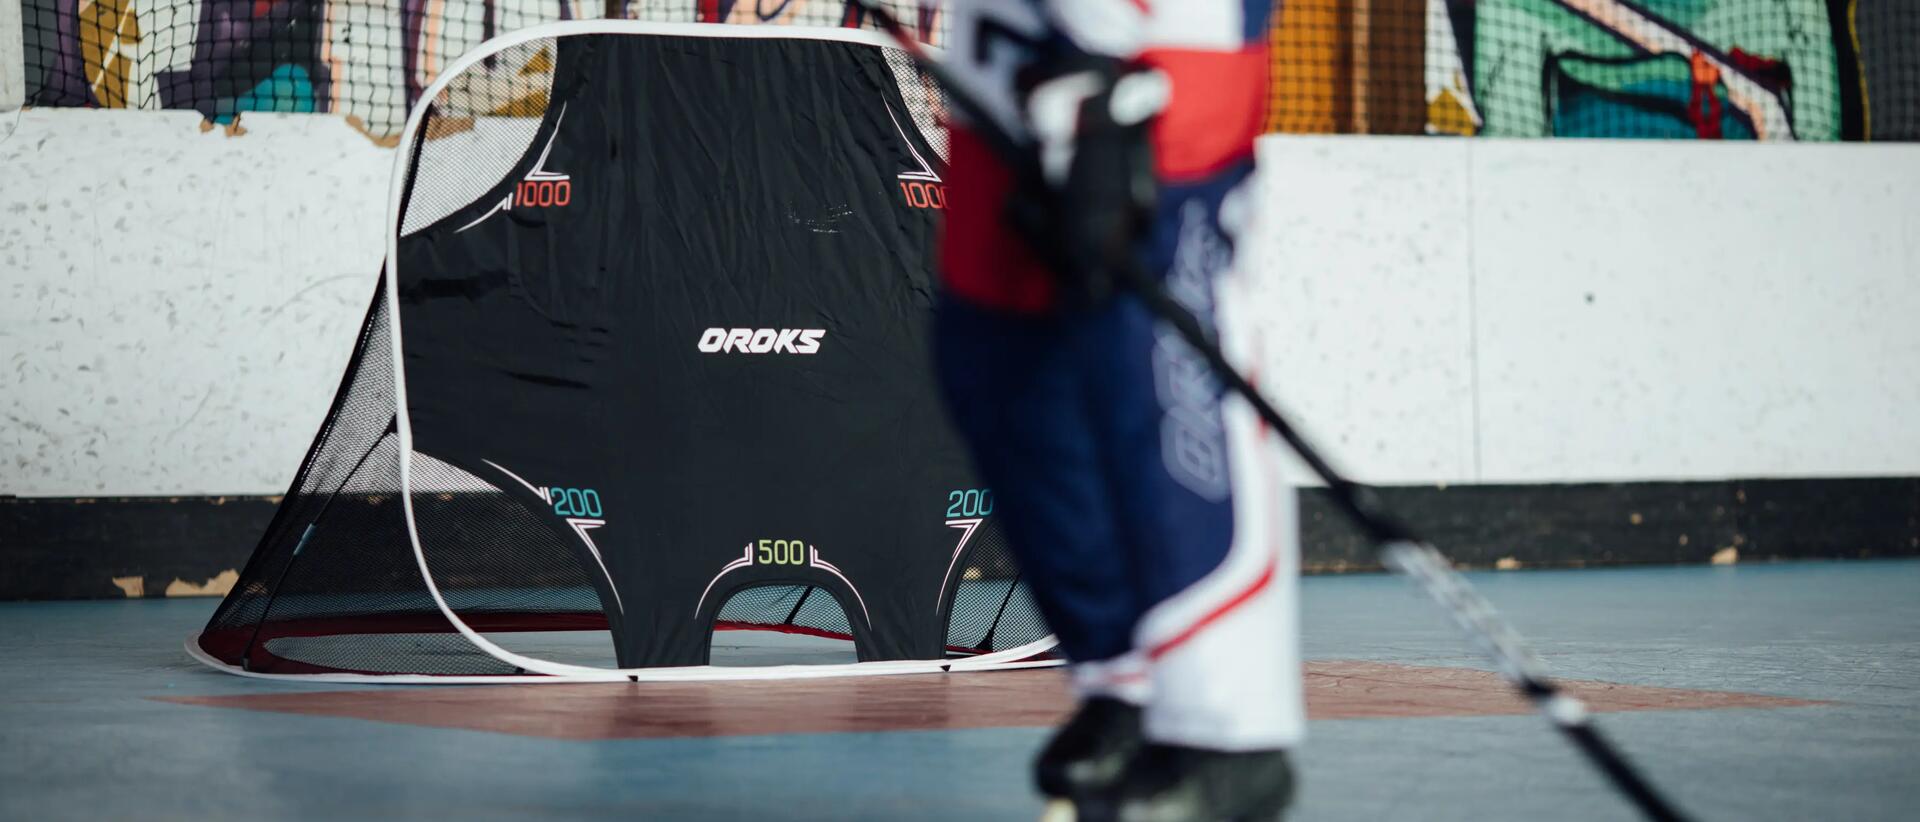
1754	312
1360	267
175	307
1752	308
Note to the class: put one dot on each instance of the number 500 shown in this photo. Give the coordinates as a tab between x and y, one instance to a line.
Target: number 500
782	552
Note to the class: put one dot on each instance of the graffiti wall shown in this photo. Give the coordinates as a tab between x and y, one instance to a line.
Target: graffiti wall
365	59
1677	69
1596	68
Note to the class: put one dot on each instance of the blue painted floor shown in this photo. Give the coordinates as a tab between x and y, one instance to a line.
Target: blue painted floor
81	739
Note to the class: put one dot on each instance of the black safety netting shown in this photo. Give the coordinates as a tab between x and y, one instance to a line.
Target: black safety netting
799	608
1675	69
476	130
334	584
990	610
367	60
1669	69
503	568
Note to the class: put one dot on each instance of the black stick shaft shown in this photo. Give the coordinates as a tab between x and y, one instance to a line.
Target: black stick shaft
1400	549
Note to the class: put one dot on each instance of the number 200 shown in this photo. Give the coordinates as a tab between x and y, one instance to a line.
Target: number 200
574	502
973	502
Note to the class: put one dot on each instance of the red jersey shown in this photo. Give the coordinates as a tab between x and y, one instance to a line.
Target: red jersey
1212	51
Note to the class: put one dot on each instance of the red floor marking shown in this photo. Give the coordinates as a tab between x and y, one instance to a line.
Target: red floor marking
1368	690
1012	699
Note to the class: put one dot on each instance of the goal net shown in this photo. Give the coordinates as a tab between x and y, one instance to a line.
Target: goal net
647	361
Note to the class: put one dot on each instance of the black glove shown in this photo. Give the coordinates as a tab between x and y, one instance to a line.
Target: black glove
1093	202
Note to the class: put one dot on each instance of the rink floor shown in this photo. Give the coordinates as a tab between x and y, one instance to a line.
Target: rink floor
1778	692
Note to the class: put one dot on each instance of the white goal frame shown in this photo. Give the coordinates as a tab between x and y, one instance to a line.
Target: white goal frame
542	670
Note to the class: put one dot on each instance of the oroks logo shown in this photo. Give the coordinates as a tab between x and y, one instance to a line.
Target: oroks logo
761	340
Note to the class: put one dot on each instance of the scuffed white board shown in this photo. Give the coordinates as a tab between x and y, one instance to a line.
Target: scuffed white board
1360	267
176	306
1654	310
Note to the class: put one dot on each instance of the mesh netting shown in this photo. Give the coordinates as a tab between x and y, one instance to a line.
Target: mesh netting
336	560
335	584
782	607
369	60
991	610
501	567
477	129
1682	69
1706	69
924	103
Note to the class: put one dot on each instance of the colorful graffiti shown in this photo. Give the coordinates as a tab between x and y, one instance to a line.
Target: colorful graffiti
1691	69
244	55
1683	69
366	59
1678	69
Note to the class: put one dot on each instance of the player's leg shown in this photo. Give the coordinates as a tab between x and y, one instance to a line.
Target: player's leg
1007	361
1017	394
1210	532
1016	383
1014	395
1199	146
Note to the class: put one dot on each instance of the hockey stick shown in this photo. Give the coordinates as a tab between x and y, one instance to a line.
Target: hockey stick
1399	548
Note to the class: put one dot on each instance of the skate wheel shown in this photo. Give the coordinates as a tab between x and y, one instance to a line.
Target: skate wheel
1058	810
